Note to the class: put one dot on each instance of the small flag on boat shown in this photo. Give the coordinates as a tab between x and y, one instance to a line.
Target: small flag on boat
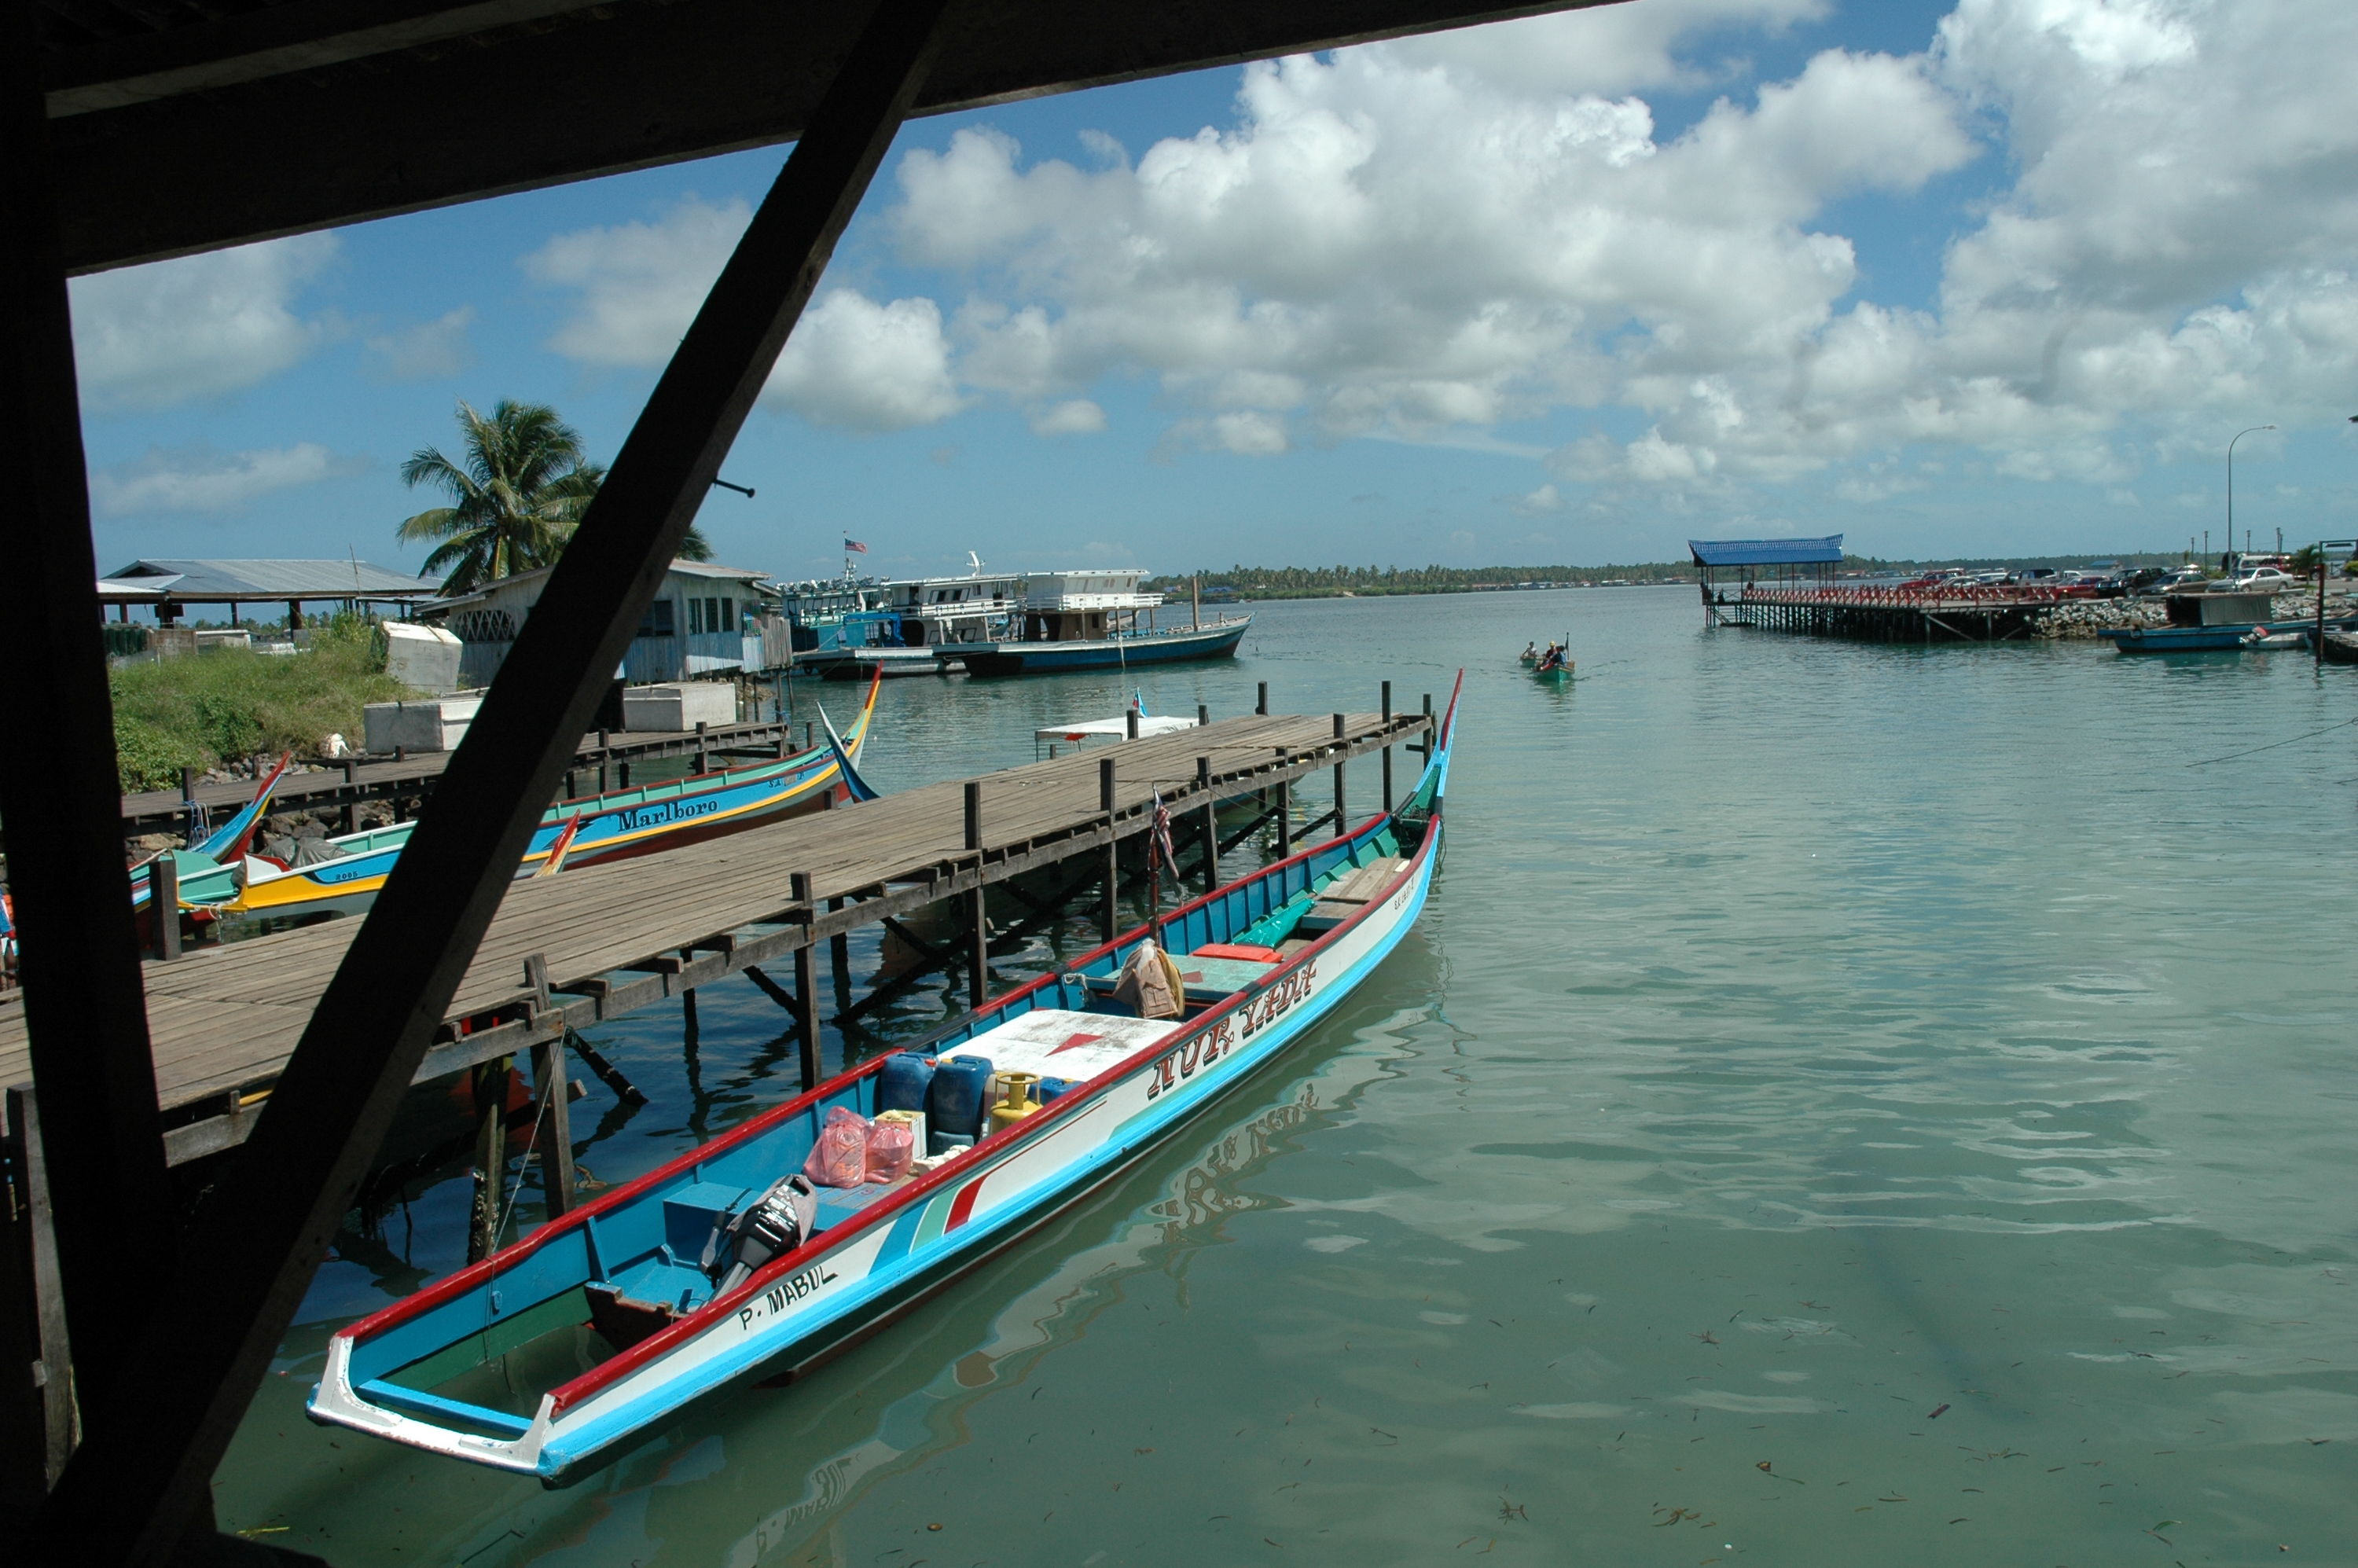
1162	835
853	547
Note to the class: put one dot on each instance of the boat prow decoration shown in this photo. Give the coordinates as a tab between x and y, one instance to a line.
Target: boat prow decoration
858	788
1087	1083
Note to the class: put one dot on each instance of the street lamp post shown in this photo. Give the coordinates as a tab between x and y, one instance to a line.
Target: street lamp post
2231	483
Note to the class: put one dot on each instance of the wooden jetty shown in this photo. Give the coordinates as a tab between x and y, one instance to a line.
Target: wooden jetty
569	950
1995	614
602	762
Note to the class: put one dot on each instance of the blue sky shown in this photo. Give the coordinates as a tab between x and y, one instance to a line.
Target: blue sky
1994	279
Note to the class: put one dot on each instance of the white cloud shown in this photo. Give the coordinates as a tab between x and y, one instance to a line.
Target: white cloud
1546	498
864	366
1075	416
850	362
1387	244
200	327
202	480
433	348
1615	49
1422	240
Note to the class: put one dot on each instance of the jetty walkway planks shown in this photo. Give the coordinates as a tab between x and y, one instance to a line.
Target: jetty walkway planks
626	934
352	780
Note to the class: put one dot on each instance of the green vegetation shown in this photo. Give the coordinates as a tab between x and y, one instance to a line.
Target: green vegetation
197	711
521	488
1373	581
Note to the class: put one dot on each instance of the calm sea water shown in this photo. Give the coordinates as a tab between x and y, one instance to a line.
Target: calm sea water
1844	1105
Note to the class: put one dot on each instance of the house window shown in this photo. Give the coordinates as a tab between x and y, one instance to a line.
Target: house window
658	619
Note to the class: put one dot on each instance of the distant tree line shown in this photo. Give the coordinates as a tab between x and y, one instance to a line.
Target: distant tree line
1370	581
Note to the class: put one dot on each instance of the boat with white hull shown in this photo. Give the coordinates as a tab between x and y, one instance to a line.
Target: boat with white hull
486	1365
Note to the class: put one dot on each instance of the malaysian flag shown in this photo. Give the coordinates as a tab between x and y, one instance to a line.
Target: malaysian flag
854	547
1161	839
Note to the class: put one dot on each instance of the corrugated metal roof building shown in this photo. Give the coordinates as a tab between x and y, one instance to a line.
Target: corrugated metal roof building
288	582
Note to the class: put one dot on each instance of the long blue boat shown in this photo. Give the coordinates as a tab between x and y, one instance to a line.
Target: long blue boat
726	1261
2203	639
1019	658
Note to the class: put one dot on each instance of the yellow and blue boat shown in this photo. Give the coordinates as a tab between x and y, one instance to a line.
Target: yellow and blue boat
343	875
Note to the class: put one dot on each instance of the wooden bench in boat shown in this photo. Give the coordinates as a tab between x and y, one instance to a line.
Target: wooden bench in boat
1346	899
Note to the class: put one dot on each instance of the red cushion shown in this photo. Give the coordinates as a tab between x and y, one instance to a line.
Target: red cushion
1238	950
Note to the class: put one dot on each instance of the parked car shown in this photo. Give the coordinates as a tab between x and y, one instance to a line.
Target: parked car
2269	580
2177	580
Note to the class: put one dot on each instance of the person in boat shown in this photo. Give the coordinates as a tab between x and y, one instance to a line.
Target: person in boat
1531	653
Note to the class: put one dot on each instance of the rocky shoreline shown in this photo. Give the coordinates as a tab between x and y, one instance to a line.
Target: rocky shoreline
2083	618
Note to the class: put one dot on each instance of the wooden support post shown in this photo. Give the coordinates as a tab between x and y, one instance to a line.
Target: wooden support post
687	1001
164	907
555	1118
1130	716
1108	912
38	1424
806	987
839	954
1211	825
608	1074
622	771
1340	816
2317	641
351	823
1284	814
977	961
130	1491
490	1081
1203	715
1388	747
1260	703
703	757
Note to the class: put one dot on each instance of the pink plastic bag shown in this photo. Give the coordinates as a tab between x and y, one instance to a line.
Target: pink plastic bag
840	1158
891	1146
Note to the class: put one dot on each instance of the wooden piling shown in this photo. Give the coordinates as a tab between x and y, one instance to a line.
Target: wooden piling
977	962
37	1423
164	907
1211	825
555	1118
1108	910
1341	817
490	1081
1388	750
805	986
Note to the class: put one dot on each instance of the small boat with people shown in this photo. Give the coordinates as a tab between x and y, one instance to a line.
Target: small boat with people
343	874
814	1223
1553	665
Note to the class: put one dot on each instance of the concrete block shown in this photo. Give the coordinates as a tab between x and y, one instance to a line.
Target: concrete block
681	707
424	658
436	724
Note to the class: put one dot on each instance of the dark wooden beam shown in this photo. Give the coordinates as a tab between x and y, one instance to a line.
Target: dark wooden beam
126	1494
85	1013
626	86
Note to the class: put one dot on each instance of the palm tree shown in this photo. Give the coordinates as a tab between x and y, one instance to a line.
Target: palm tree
520	493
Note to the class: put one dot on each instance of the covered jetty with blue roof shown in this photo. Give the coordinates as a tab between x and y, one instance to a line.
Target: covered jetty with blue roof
1709	552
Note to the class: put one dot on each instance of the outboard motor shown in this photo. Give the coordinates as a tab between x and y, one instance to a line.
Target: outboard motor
770	1228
